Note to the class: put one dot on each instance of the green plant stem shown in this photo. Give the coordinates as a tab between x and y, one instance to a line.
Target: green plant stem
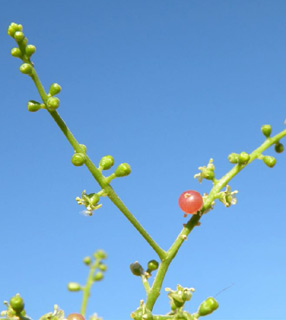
86	288
221	183
95	172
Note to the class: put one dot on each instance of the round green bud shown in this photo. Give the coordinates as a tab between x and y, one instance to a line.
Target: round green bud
208	174
243	158
233	158
16	52
19	36
178	301
26	68
12	29
98	276
53	103
100	254
55	88
279	147
74	286
83	147
33	106
78	159
136	268
266	130
106	162
102	267
153	265
17	303
123	170
269	161
208	306
93	198
87	260
30	49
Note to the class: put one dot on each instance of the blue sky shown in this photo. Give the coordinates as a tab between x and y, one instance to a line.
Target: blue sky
165	86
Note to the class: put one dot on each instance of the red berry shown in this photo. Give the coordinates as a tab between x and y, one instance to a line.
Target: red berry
75	316
190	201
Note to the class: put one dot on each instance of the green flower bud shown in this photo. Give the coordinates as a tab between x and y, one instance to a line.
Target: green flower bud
16	52
102	267
233	158
84	148
243	158
53	103
17	303
12	29
136	268
207	307
279	147
266	130
178	301
78	159
30	49
122	170
106	162
55	88
100	254
19	36
208	174
153	265
98	276
26	68
74	286
33	106
269	161
93	198
87	260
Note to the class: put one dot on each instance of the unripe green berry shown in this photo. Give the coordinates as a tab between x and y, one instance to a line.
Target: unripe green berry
78	159
74	286
87	260
12	29
93	198
17	303
152	265
98	276
279	147
30	49
208	306
266	130
123	170
19	36
106	162
233	158
136	268
102	267
33	106
53	103
55	88
269	161
100	254
243	158
26	68
16	52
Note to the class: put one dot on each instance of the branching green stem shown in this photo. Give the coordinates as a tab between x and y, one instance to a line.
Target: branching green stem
95	172
221	183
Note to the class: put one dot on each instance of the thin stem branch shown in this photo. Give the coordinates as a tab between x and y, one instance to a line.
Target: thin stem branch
221	183
96	172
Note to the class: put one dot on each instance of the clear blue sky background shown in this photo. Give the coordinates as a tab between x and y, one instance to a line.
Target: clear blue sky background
164	86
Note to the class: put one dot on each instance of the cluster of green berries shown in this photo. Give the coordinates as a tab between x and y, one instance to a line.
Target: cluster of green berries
97	268
243	158
138	270
24	52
